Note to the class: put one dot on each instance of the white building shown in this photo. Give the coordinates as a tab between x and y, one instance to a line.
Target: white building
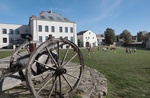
39	28
10	34
100	39
148	41
86	38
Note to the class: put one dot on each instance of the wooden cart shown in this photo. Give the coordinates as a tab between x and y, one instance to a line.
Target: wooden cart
52	69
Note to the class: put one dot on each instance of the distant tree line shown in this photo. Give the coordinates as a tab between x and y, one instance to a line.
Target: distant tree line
125	36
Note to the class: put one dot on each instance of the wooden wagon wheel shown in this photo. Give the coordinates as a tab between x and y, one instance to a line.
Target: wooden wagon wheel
23	50
55	69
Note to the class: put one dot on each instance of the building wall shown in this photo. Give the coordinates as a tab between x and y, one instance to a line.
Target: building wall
57	34
90	37
80	39
99	40
13	35
148	42
33	29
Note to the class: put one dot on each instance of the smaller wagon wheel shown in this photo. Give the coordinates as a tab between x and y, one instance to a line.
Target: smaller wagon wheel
55	69
23	50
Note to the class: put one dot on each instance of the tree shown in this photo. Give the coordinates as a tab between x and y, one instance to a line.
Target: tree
126	36
142	36
139	36
117	38
145	37
109	36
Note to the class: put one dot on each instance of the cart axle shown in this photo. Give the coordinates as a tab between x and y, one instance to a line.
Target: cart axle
60	70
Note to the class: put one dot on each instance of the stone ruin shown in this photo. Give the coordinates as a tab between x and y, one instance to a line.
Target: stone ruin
92	85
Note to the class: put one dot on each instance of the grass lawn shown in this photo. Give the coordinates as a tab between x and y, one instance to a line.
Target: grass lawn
5	53
127	74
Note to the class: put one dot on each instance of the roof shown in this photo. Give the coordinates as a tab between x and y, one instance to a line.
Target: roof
51	16
136	43
81	32
99	35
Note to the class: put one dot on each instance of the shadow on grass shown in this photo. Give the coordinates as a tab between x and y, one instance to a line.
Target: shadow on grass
146	68
17	92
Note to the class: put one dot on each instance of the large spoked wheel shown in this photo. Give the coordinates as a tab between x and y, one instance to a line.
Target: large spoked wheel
55	69
20	52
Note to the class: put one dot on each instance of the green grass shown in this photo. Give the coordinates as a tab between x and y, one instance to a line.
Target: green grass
5	53
127	74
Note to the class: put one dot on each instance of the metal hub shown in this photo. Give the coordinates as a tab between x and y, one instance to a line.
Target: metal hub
60	70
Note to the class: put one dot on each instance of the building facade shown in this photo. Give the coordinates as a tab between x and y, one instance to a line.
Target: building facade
10	34
100	39
39	28
87	38
148	42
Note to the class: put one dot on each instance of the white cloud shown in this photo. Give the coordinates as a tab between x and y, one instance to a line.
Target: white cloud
108	9
3	7
55	9
6	9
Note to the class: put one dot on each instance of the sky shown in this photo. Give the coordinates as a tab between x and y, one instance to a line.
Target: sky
95	15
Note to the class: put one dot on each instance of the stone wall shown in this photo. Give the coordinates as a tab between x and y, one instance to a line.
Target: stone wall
93	84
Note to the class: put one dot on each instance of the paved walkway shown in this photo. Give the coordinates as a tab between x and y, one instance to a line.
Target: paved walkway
5	61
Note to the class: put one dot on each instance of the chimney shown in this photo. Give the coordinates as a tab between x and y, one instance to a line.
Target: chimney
50	11
33	16
42	12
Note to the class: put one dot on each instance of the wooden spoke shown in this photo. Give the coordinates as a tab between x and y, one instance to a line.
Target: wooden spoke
58	55
60	87
64	58
67	81
52	88
48	79
50	54
45	65
72	67
72	76
19	55
27	49
70	59
57	77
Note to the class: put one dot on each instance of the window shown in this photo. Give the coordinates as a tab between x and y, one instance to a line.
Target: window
4	40
17	31
46	29
66	29
26	31
4	31
71	29
11	40
42	17
66	37
71	39
66	19
11	31
89	32
46	37
52	29
51	18
40	38
40	28
93	37
58	18
60	29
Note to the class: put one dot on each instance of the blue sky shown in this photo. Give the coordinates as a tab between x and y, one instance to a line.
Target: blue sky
96	15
